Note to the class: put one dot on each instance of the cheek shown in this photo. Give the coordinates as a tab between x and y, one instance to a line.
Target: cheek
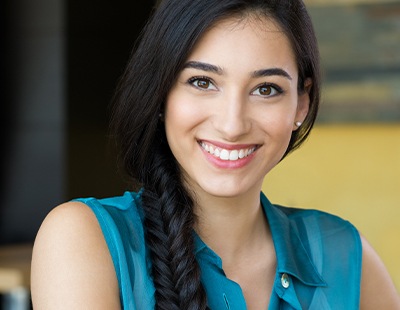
182	113
279	119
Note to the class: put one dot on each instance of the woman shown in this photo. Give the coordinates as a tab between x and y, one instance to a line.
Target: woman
216	94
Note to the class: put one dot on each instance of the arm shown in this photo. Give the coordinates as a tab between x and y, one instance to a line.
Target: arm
377	288
71	265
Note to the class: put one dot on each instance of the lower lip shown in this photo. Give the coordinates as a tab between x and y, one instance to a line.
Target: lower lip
228	164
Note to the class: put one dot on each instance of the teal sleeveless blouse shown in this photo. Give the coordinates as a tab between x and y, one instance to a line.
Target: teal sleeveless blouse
318	258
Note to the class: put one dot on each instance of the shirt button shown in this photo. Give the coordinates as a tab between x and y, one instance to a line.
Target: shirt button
285	280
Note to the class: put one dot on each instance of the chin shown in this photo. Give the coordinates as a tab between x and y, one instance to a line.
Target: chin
226	190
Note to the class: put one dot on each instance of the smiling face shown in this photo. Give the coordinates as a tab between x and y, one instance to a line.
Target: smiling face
231	112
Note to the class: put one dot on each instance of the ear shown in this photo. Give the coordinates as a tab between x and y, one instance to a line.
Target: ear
303	104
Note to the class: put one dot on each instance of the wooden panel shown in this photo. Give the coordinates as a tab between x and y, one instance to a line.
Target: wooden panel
359	43
15	268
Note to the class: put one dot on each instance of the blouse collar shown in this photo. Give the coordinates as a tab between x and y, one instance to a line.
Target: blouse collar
292	257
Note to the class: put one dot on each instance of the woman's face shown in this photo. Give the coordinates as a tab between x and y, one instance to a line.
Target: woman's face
230	114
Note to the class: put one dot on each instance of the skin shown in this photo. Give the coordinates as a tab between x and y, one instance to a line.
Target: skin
231	113
231	108
71	264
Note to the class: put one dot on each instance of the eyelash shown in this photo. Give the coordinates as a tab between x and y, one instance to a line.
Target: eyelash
278	89
198	78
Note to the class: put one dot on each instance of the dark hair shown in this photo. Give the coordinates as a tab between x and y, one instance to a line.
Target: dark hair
165	44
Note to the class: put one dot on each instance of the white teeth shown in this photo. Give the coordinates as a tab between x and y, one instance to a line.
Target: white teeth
234	155
226	154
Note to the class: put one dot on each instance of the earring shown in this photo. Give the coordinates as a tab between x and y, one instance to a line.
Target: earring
298	124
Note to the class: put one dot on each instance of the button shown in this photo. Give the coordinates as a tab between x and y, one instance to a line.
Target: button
285	280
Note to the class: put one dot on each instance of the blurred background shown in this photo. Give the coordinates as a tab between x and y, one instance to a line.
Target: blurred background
60	62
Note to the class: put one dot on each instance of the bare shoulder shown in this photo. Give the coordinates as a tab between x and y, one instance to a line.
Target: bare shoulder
377	288
71	265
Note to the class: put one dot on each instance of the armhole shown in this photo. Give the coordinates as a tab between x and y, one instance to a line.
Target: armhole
107	227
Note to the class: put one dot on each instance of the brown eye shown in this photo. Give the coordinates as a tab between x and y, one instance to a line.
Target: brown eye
203	83
265	90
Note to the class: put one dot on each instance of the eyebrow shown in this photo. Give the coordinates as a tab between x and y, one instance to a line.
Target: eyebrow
271	72
204	67
218	70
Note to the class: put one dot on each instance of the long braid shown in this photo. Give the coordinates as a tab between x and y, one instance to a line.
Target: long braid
169	220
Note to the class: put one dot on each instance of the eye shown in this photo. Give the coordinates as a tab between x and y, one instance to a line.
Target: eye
267	90
202	83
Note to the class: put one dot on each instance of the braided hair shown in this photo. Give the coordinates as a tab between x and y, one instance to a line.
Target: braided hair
163	47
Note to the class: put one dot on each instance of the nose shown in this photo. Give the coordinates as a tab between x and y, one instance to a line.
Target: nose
232	119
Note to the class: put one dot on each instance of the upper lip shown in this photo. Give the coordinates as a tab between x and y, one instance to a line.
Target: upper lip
228	146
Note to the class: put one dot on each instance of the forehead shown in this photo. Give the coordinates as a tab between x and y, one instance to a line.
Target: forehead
256	22
253	41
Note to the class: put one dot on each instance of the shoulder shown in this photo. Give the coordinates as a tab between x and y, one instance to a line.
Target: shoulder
121	222
320	221
329	236
71	264
377	289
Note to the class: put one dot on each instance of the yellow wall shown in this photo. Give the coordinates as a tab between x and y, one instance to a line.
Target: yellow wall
352	171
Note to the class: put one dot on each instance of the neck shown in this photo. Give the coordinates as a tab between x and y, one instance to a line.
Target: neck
232	227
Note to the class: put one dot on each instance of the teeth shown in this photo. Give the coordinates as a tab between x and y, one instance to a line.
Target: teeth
234	155
226	154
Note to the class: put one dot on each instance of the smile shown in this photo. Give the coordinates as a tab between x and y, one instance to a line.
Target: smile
225	154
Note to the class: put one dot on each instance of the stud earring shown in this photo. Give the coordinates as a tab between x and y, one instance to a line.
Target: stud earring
298	124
